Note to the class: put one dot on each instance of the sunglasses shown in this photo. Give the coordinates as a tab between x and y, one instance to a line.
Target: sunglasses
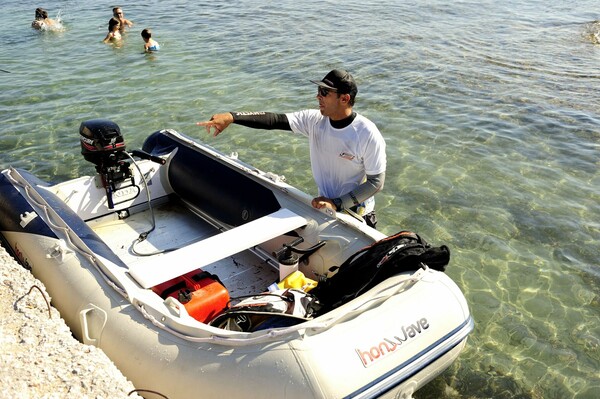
323	92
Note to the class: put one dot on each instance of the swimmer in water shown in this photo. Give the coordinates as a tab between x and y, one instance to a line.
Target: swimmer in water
150	44
118	14
42	21
114	34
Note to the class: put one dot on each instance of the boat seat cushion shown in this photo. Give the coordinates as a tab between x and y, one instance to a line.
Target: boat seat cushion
223	192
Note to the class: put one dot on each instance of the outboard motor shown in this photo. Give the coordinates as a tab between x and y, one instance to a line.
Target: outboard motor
103	145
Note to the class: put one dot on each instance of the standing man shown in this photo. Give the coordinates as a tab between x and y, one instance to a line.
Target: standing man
118	14
347	151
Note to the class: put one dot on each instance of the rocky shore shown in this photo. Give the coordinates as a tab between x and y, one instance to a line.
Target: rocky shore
39	358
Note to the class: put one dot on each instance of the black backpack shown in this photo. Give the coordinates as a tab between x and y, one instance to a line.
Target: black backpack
404	251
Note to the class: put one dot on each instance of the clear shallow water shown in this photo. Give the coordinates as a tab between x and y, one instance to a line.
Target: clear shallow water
490	110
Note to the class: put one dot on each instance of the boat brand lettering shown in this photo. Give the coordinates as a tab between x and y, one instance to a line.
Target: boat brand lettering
86	140
21	256
249	113
126	192
389	345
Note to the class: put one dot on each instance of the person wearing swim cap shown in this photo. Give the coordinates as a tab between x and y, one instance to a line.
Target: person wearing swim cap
347	151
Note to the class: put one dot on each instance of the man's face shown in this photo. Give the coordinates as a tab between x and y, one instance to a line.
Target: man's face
332	104
328	101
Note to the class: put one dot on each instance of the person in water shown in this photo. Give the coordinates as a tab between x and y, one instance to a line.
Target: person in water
114	34
42	21
149	43
118	14
347	151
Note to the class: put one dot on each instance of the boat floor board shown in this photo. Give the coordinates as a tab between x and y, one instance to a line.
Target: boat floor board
169	265
242	274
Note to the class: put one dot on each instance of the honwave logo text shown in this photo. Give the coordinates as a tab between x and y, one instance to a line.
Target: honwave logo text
21	256
387	346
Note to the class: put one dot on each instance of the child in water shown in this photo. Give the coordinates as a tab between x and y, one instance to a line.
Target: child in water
114	35
149	43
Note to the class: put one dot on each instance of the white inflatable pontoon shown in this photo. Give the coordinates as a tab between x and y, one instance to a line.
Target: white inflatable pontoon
142	257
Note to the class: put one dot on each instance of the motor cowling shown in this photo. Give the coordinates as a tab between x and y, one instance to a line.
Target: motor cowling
101	142
103	145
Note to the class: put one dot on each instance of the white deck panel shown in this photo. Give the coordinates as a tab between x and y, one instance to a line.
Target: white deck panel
161	268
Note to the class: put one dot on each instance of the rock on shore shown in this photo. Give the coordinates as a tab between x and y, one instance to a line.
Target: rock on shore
39	358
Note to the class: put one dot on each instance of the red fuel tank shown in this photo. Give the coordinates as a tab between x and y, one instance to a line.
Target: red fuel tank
200	292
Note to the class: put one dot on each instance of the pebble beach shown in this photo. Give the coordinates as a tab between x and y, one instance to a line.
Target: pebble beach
39	358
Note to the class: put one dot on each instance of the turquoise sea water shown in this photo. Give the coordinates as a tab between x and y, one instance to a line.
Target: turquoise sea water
491	112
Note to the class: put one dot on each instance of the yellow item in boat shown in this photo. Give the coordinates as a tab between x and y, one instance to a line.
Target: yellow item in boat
297	280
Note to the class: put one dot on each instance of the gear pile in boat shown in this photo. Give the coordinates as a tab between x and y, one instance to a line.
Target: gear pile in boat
207	300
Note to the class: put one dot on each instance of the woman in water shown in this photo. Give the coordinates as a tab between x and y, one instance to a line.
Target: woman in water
114	35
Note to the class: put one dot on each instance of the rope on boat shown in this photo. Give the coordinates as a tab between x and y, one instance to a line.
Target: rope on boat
85	251
314	325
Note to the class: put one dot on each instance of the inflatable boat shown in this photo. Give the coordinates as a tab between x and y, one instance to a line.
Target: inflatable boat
202	276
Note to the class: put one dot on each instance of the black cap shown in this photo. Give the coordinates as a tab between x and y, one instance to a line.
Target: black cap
339	80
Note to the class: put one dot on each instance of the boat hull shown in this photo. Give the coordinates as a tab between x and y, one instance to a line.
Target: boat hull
389	342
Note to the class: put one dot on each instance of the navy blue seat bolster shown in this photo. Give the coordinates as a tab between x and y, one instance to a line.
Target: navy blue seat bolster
13	205
11	211
224	193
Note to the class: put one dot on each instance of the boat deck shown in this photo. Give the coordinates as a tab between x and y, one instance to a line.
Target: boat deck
244	273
